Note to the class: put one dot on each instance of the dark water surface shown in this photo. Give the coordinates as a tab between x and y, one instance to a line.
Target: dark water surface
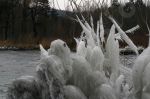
14	64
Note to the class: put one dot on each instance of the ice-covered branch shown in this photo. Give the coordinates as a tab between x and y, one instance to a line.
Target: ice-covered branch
97	33
124	36
88	32
132	30
102	29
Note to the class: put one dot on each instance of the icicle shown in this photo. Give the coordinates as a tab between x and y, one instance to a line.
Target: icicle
83	17
81	49
84	27
124	36
44	53
112	49
97	56
91	20
77	41
132	30
149	33
102	29
91	30
97	59
89	52
110	37
97	34
85	23
90	39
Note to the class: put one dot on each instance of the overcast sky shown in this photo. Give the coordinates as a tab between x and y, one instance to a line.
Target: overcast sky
62	4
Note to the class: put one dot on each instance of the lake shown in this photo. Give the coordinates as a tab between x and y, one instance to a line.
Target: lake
14	64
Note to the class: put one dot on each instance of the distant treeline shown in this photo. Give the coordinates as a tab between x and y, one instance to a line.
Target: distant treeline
25	24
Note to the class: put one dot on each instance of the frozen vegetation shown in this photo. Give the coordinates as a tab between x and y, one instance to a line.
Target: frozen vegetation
94	71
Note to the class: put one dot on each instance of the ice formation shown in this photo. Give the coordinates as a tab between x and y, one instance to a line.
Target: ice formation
73	92
94	71
112	50
97	59
124	36
102	29
44	53
140	73
138	69
81	49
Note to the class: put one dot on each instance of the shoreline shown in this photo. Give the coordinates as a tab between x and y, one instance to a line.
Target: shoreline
36	48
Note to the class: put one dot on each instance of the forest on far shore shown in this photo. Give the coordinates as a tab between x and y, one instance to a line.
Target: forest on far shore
25	24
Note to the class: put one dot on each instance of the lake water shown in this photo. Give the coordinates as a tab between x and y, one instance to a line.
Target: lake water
14	64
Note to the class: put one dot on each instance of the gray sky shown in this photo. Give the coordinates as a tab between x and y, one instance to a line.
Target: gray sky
62	4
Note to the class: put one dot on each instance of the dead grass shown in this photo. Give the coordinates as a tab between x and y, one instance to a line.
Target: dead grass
34	43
